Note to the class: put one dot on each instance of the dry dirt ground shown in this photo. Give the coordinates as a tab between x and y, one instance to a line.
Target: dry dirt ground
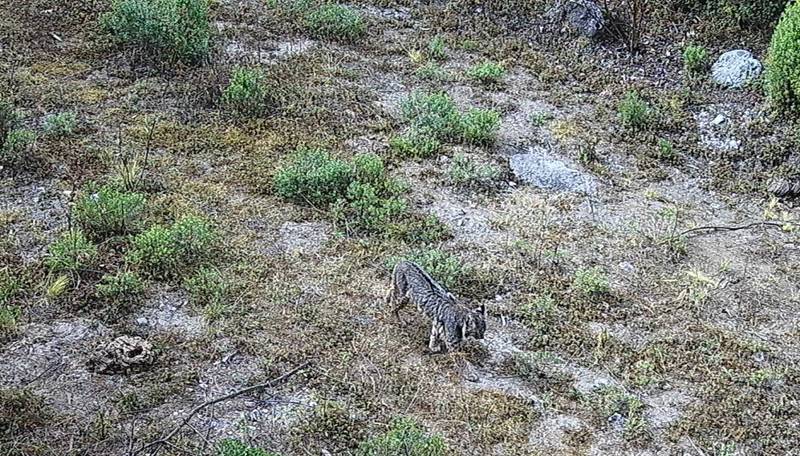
693	350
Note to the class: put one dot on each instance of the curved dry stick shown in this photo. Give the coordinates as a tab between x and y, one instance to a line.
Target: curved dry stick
731	228
232	395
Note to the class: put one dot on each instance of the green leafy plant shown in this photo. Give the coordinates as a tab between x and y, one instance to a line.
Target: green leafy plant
611	401
246	93
10	285
404	437
480	126
336	21
487	72
436	49
176	29
783	62
9	317
591	281
442	266
634	112
61	124
107	211
164	251
432	71
695	59
415	143
72	252
468	173
122	286
434	114
209	289
314	177
234	447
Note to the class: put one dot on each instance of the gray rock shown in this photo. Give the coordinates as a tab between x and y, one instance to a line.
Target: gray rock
584	17
544	170
735	69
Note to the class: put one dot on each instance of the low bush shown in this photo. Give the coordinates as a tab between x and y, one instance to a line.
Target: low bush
165	251
9	318
246	93
209	289
434	114
442	266
336	21
480	126
15	141
591	281
487	72
61	124
468	173
234	447
783	62
123	286
176	29
436	49
106	210
634	112
71	253
313	177
695	60
416	144
404	437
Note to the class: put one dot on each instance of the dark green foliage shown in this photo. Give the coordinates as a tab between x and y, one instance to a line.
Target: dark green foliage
246	93
468	173
122	286
176	29
741	13
72	252
20	410
442	266
487	72
61	124
480	126
434	114
405	437
209	289
336	21
14	140
634	112
783	62
695	60
107	211
165	251
313	177
436	49
233	447
416	144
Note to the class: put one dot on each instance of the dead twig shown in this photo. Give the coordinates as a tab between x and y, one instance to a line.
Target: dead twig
194	411
712	228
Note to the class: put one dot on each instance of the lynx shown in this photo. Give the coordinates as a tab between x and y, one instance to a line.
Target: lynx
452	322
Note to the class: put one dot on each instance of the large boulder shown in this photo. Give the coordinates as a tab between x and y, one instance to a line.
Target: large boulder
542	169
735	69
583	17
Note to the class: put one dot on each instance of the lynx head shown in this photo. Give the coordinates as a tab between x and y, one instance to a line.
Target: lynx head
475	323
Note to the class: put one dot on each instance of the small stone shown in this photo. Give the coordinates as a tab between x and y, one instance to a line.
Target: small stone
628	267
547	171
719	120
735	69
141	321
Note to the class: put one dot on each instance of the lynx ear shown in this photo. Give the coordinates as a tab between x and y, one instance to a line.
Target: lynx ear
463	330
481	309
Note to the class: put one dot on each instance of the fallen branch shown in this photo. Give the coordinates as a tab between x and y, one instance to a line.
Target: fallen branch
250	389
732	228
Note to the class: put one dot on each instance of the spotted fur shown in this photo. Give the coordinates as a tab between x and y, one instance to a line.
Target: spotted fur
452	322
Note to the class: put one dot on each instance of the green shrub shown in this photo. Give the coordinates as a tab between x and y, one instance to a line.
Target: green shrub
695	59
591	281
10	285
62	124
16	145
434	114
313	177
233	447
122	286
431	70
741	13
9	119
336	21
9	317
194	239
246	93
404	437
436	49
209	288
154	251
177	29
416	144
634	112
107	211
611	400
164	251
487	72
783	62
666	150
480	126
367	208
71	252
442	266
468	173
434	118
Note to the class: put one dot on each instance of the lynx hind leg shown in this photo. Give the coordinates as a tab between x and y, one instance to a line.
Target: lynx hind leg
396	297
435	342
